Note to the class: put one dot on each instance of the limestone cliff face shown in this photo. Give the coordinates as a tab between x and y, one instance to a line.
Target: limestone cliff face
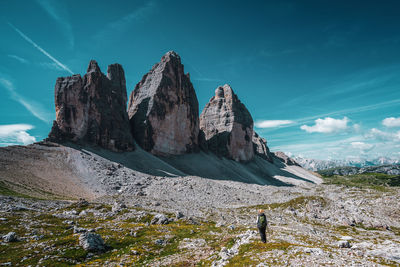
260	147
227	126
284	158
92	109
163	109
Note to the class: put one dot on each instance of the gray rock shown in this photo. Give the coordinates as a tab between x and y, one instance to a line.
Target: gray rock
10	237
260	147
284	158
118	206
163	109
160	242
92	109
227	126
79	230
344	244
179	215
82	203
92	242
160	219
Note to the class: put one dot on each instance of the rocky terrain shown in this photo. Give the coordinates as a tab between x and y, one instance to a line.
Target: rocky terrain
155	184
147	218
162	221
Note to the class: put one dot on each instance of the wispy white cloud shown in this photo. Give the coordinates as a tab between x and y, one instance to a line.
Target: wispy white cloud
272	123
363	147
327	125
20	59
32	106
358	85
60	15
16	134
383	136
391	122
26	38
50	65
121	24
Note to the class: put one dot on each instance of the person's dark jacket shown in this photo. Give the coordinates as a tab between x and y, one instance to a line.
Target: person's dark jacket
262	221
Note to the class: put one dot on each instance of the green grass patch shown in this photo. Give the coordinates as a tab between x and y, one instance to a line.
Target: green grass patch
6	191
296	203
248	252
377	181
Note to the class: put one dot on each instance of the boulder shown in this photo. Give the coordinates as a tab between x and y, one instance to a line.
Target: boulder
227	126
92	242
118	206
10	237
163	109
92	109
160	219
343	244
260	147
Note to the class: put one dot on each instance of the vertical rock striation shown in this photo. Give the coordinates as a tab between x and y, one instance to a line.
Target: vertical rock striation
163	109
92	109
227	126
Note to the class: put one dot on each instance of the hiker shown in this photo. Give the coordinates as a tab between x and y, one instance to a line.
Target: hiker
262	225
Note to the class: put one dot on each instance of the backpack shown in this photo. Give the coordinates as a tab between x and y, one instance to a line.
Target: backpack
262	221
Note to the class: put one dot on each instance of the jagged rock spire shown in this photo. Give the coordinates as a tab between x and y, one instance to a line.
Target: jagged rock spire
163	109
227	126
92	109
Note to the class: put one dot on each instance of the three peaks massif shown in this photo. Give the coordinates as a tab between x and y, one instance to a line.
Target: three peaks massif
162	117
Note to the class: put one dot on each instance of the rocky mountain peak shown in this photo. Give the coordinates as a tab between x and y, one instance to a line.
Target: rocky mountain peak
169	55
163	109
93	66
227	126
224	92
92	109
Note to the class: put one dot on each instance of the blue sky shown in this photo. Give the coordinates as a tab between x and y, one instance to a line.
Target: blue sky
320	78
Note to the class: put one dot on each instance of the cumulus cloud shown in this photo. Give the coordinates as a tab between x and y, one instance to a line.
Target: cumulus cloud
16	134
391	122
327	125
272	123
364	147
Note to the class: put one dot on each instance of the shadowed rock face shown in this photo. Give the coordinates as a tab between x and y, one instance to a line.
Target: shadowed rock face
163	109
227	126
92	109
260	147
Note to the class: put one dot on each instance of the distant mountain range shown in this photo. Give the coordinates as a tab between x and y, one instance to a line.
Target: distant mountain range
317	165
